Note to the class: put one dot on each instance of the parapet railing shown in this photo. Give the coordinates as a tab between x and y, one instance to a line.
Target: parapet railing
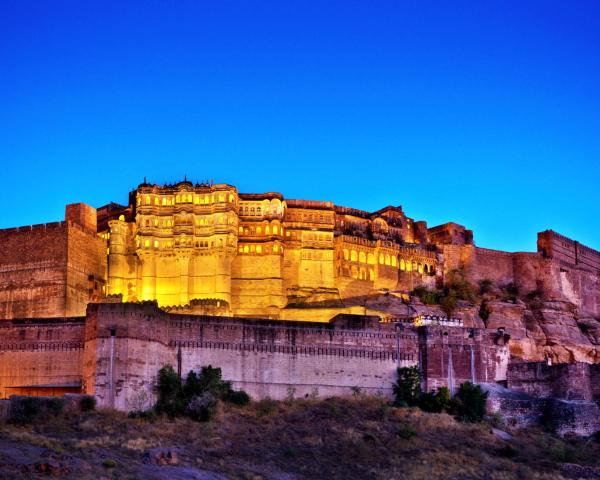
42	346
370	353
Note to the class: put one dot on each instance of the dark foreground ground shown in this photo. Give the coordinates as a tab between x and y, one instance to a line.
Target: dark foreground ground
332	438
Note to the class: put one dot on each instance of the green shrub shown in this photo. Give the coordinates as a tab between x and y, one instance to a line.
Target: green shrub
87	403
484	312
407	389
238	397
202	407
25	410
406	432
426	295
470	402
146	415
485	286
511	292
266	406
170	396
436	402
109	463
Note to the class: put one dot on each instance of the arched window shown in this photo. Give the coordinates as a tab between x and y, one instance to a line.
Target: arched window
147	200
267	230
402	264
353	256
164	200
122	218
371	259
420	267
275	230
362	258
155	200
381	259
387	259
393	260
408	266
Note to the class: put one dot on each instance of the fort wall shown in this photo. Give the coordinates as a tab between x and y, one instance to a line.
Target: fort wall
42	357
271	358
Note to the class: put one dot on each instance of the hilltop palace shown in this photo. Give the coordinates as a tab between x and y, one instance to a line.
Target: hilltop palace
279	293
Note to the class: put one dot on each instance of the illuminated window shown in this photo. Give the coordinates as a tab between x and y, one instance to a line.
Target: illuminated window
353	255
189	198
146	243
156	222
196	200
420	268
259	249
122	218
213	198
221	197
387	260
393	260
408	266
275	248
288	234
177	199
246	248
402	264
381	259
155	243
147	200
139	200
362	258
414	266
371	259
258	230
346	254
267	230
275	230
155	200
230	197
241	249
241	229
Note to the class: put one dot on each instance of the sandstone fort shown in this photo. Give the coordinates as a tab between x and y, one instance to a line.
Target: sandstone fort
290	296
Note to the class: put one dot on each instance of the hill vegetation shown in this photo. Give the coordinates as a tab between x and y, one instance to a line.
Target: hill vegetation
357	437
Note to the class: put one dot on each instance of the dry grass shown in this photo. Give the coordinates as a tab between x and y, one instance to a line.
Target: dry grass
331	438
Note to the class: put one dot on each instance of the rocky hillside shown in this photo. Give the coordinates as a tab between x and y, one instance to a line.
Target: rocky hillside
297	439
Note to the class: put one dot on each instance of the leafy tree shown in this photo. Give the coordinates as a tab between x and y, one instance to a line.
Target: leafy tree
436	402
470	403
407	389
485	286
170	397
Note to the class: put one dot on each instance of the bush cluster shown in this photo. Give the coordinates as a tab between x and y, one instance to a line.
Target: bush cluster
457	288
25	410
468	404
198	396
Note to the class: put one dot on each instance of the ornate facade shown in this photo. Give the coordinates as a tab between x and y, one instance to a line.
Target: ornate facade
254	254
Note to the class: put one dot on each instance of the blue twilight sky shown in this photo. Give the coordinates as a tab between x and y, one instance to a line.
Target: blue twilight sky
484	113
